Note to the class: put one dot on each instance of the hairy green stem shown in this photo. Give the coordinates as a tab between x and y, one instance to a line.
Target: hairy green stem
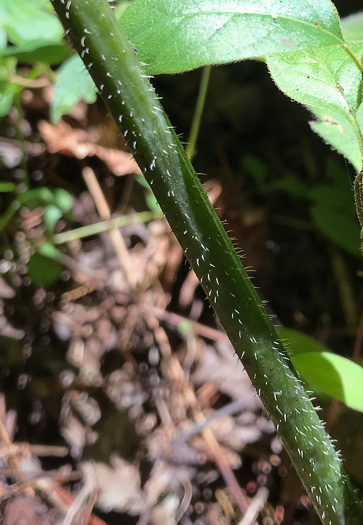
104	226
197	118
109	57
358	195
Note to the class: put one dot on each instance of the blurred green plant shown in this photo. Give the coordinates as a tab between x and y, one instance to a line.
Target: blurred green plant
330	204
29	34
31	38
45	264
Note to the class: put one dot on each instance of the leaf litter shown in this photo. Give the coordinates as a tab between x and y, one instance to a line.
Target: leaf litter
119	401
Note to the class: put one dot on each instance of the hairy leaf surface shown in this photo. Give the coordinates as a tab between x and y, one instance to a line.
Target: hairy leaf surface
326	77
172	36
336	130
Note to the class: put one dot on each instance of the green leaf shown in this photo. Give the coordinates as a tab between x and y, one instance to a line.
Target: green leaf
3	39
293	186
56	203
334	375
120	7
337	131
298	343
62	204
151	202
51	216
326	77
32	199
25	20
6	101
63	200
150	198
38	51
329	373
6	187
45	266
339	227
7	66
352	26
44	196
334	196
176	36
333	212
73	84
7	89
256	168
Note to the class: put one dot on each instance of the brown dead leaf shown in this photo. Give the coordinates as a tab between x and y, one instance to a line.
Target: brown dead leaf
66	140
219	365
119	487
26	511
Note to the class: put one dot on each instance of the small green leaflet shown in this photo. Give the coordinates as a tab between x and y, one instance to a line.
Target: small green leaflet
172	36
326	77
332	374
337	131
25	21
45	265
329	81
40	50
73	83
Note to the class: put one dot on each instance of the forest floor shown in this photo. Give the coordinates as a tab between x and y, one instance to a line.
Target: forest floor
121	398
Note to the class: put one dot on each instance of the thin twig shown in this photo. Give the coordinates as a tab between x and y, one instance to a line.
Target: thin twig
176	319
29	83
88	493
105	226
256	506
184	504
104	211
13	461
228	410
215	449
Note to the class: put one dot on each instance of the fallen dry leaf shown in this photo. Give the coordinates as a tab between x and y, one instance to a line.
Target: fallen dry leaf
27	511
62	138
119	487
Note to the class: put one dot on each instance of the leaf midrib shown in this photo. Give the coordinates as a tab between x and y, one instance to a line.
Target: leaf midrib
192	14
